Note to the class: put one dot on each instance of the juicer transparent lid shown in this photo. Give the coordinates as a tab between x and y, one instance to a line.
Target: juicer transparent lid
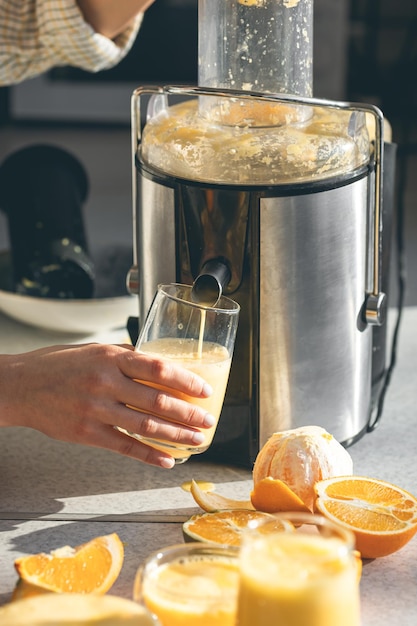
245	138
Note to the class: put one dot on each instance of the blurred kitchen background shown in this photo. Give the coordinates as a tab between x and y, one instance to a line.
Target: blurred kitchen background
364	50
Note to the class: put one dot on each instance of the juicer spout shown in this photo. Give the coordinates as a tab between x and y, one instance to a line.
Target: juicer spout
213	278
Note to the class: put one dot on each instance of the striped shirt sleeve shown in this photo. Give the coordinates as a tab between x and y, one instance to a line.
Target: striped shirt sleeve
36	35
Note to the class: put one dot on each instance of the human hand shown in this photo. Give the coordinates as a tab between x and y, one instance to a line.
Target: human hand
79	393
111	17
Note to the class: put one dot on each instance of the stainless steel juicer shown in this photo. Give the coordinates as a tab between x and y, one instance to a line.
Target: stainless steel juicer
247	185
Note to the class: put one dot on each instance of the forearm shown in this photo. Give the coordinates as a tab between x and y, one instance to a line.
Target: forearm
111	17
9	390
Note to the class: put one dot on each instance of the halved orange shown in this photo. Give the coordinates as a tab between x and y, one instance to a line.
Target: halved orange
382	516
210	501
223	527
272	495
89	568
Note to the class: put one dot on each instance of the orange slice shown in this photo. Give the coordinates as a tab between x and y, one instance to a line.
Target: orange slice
223	527
89	568
272	495
382	516
210	501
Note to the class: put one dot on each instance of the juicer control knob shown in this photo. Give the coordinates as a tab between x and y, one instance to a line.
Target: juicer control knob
132	280
376	309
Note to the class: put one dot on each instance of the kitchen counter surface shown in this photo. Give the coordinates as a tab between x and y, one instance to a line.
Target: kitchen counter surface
53	493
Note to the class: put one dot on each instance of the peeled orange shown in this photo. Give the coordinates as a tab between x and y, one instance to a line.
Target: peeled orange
223	527
382	516
300	457
89	568
285	472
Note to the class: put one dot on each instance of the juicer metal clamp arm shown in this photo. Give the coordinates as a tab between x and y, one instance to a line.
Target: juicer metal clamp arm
376	302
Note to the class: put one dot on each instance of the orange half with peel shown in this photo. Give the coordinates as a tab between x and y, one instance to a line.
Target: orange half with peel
382	516
89	568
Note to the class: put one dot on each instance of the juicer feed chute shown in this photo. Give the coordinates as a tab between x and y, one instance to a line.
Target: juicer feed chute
249	186
259	45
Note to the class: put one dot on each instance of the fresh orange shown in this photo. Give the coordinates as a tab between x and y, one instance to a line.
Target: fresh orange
223	527
272	495
89	568
296	459
210	501
382	516
300	457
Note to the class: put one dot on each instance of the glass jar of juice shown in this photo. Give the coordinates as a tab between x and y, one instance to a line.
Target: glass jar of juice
192	584
307	575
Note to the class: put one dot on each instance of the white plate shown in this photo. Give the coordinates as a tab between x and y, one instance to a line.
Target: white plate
71	316
87	316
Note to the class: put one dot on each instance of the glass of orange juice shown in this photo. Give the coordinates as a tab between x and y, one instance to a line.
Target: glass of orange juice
306	576
191	584
198	337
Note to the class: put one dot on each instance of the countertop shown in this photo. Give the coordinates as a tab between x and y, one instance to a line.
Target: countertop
53	493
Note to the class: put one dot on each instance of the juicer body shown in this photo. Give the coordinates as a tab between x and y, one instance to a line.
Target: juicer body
300	260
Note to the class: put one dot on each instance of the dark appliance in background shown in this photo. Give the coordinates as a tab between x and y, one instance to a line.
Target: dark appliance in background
48	242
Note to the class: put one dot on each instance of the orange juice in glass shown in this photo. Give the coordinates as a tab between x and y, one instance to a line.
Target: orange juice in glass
191	584
304	577
198	337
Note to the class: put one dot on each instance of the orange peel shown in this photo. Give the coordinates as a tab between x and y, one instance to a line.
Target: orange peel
211	502
272	495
